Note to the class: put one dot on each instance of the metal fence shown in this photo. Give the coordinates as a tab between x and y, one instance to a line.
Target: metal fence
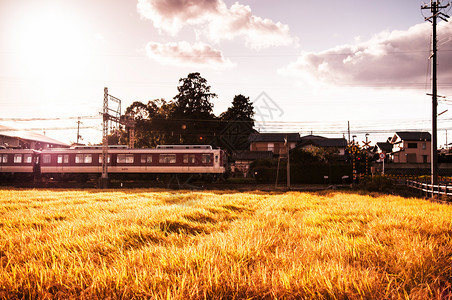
430	190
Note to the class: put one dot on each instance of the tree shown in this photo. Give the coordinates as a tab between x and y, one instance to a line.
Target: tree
193	99
151	123
239	124
241	110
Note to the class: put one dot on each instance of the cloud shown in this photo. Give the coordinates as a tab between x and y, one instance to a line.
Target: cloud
215	21
171	16
183	53
390	59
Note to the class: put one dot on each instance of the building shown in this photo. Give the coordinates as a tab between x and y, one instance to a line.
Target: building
411	147
311	141
16	138
242	160
277	143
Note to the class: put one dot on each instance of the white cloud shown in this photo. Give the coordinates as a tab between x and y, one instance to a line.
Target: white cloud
186	54
214	20
393	59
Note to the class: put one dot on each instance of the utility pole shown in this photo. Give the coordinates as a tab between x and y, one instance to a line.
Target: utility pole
435	7
288	161
78	130
105	119
116	117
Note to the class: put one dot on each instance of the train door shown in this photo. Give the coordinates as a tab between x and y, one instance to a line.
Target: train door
216	160
36	165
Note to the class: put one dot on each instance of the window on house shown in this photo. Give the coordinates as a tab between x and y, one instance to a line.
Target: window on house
412	145
206	159
424	159
424	146
124	159
167	158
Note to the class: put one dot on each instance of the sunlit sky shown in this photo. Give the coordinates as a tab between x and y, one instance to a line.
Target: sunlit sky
320	64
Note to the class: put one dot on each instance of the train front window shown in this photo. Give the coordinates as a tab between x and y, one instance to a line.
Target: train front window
167	158
17	158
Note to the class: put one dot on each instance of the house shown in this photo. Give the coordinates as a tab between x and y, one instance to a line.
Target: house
242	160
277	143
310	141
383	147
16	138
411	147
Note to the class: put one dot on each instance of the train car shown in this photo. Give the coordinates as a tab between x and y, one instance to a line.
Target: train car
162	160
17	163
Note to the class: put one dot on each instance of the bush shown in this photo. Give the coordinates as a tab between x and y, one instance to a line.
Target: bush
376	184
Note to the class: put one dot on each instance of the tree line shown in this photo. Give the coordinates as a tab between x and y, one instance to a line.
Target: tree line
189	119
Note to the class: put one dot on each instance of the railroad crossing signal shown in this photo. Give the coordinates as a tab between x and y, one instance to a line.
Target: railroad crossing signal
366	144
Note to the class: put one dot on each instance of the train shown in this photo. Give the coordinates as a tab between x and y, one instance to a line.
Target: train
86	162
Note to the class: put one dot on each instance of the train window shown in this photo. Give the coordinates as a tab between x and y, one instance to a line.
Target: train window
27	158
167	158
4	158
206	158
83	158
146	158
124	159
108	158
60	159
17	158
189	159
46	159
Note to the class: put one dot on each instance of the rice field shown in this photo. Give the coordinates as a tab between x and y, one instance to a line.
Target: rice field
159	244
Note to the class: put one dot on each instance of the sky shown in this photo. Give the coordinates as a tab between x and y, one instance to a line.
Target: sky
308	67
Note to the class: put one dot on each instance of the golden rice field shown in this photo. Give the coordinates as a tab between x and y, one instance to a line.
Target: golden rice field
156	244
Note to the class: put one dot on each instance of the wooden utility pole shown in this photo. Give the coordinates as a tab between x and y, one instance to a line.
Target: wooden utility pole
435	7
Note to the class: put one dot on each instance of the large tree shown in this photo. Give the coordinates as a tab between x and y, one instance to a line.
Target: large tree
242	109
151	123
193	99
238	124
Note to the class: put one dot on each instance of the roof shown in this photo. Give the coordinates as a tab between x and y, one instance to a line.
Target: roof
28	135
412	136
252	155
274	137
384	146
321	141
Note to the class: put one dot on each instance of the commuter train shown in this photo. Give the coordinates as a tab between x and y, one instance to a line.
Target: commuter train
66	163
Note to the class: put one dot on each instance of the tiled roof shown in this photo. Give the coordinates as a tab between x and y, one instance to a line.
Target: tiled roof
385	147
322	141
414	136
274	137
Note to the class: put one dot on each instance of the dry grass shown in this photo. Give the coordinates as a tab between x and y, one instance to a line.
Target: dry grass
214	245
